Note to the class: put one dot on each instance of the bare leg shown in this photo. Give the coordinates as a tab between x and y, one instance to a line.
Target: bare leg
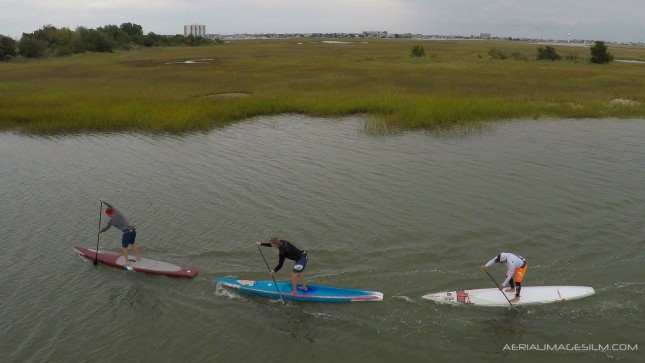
136	251
125	254
293	283
511	285
303	284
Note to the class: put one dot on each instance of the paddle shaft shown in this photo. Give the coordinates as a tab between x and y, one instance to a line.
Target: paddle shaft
273	278
492	278
98	235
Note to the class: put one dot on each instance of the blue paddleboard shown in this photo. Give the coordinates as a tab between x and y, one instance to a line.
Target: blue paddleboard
314	293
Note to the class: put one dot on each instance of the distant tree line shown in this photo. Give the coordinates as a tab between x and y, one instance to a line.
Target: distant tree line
50	40
599	54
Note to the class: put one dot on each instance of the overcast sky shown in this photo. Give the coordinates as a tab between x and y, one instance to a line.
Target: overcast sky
608	20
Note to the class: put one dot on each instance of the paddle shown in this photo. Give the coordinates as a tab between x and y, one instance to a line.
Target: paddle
492	278
273	278
98	236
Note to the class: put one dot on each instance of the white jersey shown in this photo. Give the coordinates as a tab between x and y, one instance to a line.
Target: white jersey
512	262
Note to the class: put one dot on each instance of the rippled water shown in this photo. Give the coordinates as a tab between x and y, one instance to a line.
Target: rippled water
405	215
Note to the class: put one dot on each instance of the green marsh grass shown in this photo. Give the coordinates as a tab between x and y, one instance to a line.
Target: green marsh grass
460	86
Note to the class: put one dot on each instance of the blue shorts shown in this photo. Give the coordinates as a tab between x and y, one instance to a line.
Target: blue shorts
128	238
300	265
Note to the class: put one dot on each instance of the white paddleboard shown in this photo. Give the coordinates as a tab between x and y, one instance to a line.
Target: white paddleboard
493	297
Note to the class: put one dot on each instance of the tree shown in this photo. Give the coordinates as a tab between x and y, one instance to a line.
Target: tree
134	31
116	36
7	48
62	41
599	53
418	51
95	40
152	40
548	53
57	41
192	40
31	47
62	36
46	33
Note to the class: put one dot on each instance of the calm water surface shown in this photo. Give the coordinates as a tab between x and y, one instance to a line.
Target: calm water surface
405	214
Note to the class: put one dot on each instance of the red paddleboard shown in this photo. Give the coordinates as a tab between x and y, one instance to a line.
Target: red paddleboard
146	265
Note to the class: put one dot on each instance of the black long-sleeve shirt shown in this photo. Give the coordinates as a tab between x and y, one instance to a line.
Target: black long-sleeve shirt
286	250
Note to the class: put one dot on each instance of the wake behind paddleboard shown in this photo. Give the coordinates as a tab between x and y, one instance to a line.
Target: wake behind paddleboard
146	265
531	295
314	293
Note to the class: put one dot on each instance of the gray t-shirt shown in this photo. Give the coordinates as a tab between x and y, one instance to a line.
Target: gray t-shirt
117	220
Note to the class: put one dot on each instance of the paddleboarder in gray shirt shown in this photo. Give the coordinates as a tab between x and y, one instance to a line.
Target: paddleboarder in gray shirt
118	220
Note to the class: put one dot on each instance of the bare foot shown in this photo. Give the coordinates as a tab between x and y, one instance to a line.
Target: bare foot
510	290
304	288
514	300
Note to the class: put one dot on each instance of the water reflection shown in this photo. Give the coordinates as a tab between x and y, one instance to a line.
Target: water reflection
137	301
380	127
507	323
299	324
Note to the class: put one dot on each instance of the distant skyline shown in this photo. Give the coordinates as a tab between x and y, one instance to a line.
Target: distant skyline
614	21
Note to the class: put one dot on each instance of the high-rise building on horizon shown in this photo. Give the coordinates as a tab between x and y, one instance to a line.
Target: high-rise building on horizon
195	30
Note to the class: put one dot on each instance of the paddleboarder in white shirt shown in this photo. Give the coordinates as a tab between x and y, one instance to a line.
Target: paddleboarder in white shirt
515	271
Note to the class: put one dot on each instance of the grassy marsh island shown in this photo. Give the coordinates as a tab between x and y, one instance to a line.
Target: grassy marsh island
456	83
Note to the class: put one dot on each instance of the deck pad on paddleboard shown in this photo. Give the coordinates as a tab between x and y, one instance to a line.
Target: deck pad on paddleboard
314	293
494	297
146	265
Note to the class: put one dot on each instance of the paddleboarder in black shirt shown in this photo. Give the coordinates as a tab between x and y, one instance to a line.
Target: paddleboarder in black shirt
287	250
